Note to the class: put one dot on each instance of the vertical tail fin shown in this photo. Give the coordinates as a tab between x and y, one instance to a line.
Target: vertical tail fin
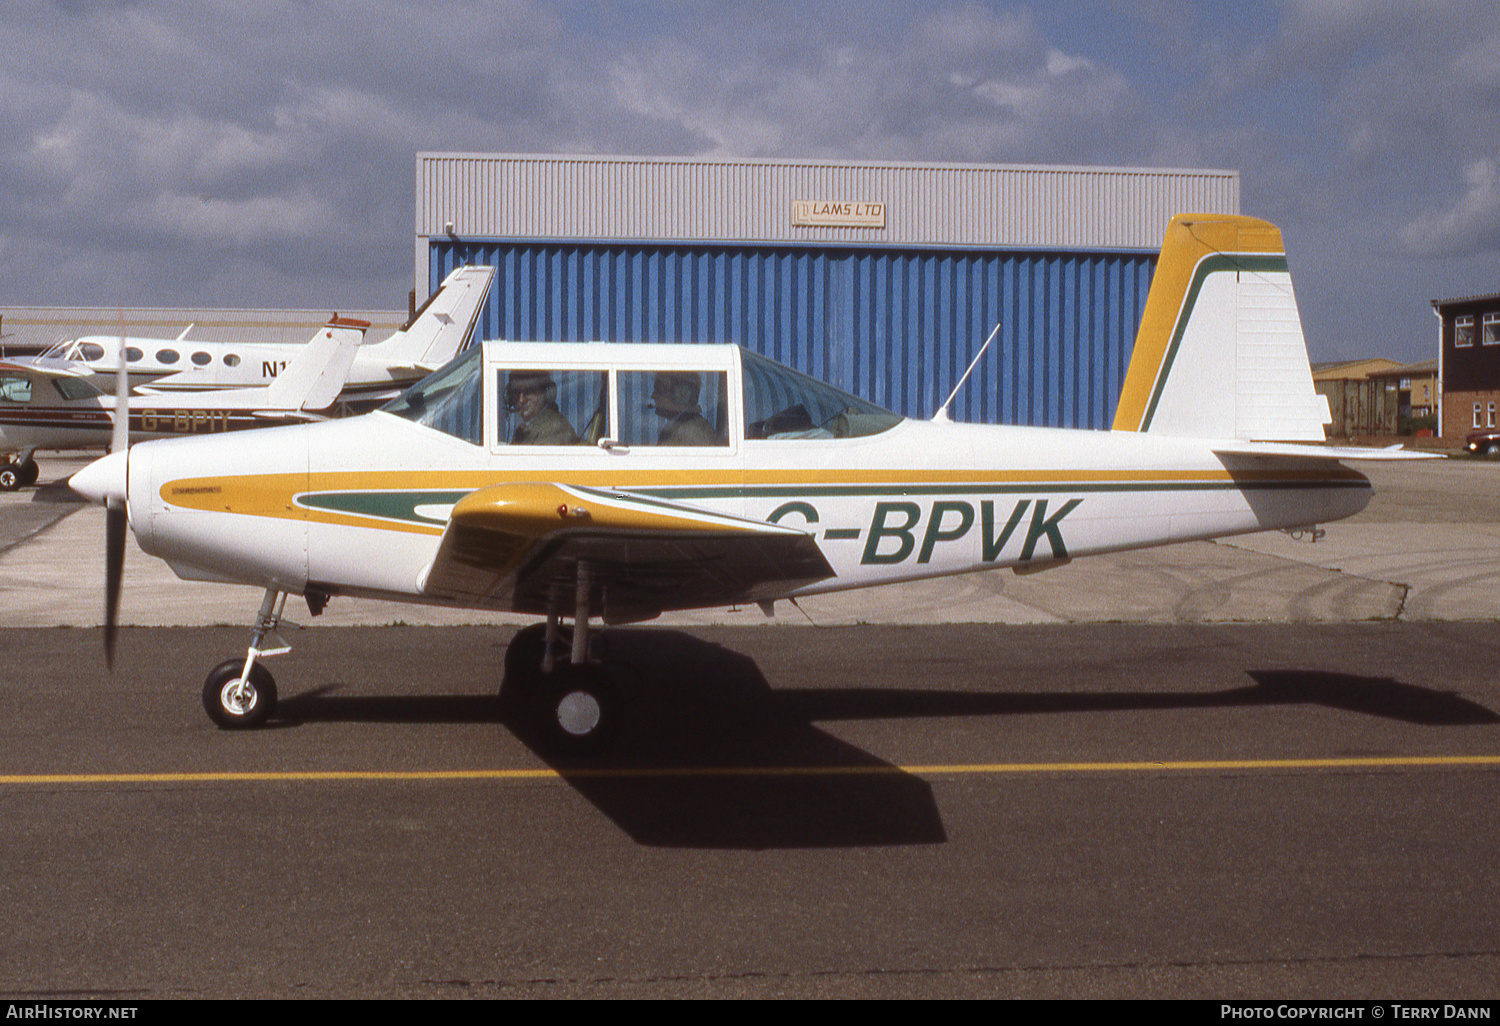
1220	351
443	325
314	378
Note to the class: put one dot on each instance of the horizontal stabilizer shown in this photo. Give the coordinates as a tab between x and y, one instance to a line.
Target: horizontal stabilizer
1321	452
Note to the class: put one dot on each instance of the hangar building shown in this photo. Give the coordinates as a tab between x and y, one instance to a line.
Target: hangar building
881	278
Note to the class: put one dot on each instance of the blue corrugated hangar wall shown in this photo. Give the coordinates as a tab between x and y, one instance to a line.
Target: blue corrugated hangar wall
896	326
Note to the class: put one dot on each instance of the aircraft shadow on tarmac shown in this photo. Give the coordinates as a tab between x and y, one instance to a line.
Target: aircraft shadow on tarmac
709	757
713	757
1370	696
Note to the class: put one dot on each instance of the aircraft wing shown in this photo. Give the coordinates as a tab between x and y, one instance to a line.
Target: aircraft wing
514	545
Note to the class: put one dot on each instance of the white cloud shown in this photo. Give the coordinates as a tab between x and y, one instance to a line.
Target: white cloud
1470	225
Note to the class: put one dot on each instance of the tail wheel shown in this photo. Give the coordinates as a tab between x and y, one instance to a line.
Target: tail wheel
236	704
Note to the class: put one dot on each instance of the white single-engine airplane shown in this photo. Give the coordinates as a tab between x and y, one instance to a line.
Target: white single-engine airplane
50	404
582	481
381	370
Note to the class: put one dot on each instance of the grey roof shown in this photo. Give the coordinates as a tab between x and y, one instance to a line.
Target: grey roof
1466	299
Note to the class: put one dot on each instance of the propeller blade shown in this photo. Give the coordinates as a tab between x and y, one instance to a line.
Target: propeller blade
115	524
120	439
116	512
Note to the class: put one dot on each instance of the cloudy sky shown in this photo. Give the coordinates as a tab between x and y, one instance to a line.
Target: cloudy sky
262	153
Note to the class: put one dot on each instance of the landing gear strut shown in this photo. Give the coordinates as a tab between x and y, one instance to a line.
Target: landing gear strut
241	693
559	680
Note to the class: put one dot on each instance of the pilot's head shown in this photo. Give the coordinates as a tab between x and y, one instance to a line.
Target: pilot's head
529	392
675	392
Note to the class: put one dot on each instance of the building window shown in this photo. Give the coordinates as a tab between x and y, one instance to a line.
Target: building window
1477	413
1463	331
1491	329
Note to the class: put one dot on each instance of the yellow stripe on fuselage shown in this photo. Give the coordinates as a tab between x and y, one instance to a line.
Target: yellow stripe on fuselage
275	495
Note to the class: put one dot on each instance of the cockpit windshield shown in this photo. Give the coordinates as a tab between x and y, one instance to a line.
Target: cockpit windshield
450	399
784	404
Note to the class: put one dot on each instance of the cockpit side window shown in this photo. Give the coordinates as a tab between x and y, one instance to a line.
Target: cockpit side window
76	388
545	406
15	389
450	399
786	405
674	408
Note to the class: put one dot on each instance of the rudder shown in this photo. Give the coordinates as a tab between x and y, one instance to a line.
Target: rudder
1220	352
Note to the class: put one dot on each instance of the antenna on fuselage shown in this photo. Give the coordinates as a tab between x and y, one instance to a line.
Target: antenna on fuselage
942	413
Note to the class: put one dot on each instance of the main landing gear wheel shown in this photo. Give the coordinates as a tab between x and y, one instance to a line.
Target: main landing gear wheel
575	707
17	474
235	704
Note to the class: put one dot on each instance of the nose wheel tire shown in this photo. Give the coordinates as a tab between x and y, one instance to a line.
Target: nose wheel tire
236	704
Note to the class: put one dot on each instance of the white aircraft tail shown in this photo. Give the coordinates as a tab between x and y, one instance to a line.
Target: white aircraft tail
443	326
316	376
1220	351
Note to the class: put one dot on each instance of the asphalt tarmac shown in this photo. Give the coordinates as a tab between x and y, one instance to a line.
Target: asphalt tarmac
1066	808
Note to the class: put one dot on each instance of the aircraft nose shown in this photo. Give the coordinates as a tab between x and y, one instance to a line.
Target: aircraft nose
102	480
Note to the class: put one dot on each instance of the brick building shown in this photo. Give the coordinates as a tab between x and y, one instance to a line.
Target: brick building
1469	363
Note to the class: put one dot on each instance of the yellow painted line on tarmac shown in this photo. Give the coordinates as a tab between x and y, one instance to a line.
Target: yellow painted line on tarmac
933	770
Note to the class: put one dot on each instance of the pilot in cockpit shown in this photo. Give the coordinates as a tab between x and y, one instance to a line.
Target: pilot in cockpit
674	397
532	395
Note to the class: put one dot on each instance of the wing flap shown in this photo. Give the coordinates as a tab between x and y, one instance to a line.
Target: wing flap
511	545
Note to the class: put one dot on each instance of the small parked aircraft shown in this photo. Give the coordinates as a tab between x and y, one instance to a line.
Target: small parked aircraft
381	370
50	404
54	404
618	481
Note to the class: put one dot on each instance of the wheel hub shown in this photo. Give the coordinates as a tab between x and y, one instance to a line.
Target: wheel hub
578	713
238	697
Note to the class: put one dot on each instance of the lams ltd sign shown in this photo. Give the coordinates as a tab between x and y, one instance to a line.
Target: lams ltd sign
828	214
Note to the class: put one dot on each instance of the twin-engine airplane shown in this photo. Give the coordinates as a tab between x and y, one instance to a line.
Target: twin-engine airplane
584	481
49	404
380	372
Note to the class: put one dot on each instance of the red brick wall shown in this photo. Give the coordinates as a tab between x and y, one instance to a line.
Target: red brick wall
1458	412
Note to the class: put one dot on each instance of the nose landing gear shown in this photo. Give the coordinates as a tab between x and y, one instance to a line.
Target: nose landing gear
241	693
